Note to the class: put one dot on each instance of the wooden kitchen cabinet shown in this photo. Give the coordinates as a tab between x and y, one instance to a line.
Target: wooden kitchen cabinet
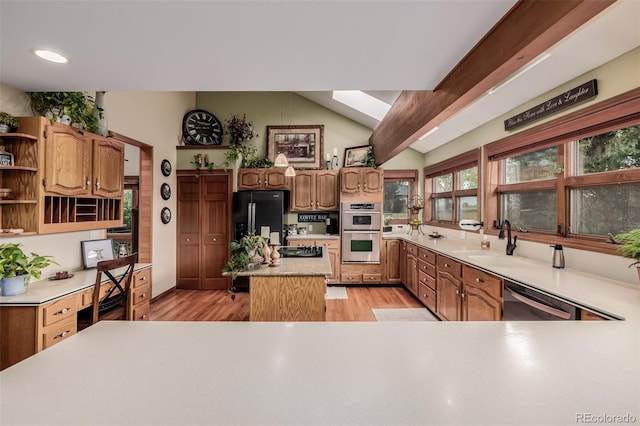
449	286
333	251
21	208
361	273
287	298
82	164
262	179
427	278
391	260
140	300
482	294
315	190
62	180
411	282
359	180
203	220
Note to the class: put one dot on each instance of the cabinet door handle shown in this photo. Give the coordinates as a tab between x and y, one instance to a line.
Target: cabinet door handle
143	278
143	316
97	184
86	182
143	295
446	265
462	295
457	292
188	239
479	280
215	239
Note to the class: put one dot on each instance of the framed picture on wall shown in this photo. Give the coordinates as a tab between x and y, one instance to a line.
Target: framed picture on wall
355	156
303	145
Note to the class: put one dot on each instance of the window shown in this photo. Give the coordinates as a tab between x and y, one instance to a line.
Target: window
399	186
576	178
127	234
451	190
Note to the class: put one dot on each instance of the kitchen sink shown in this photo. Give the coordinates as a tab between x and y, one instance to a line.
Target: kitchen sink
472	252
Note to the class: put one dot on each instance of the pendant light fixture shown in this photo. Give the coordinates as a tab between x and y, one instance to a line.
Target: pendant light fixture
282	161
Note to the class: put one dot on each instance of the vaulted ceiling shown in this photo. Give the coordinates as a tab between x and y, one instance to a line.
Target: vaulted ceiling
384	47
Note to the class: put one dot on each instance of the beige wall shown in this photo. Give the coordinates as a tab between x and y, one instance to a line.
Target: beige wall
615	77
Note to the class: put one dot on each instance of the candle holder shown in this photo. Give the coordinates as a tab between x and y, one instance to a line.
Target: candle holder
327	165
275	255
334	163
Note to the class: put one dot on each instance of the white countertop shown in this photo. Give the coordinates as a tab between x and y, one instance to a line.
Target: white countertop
359	373
46	290
600	294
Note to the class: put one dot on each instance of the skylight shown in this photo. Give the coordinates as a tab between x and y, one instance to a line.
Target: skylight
360	101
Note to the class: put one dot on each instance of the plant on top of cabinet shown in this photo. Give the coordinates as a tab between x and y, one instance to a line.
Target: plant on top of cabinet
73	108
240	130
9	121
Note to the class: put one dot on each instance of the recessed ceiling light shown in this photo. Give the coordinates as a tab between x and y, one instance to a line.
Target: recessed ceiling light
50	56
362	102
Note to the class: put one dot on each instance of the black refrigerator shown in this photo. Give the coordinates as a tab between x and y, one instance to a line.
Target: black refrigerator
254	209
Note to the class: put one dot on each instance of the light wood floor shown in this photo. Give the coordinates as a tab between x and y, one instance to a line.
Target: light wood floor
216	305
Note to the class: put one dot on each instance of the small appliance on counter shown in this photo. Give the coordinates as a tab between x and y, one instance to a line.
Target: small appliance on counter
332	226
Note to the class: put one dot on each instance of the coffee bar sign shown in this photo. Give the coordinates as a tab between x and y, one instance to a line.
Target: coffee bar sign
312	217
565	100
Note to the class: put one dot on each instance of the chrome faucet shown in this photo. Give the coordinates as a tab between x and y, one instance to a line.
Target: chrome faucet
511	245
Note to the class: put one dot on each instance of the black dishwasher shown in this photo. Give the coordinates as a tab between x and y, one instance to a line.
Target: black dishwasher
523	303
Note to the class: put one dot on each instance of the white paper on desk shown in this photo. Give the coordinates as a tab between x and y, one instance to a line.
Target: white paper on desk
264	231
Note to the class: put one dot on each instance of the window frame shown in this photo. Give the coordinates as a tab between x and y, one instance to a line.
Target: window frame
405	175
614	113
453	165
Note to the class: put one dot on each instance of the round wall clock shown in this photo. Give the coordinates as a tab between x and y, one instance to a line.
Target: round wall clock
200	127
165	191
165	166
165	215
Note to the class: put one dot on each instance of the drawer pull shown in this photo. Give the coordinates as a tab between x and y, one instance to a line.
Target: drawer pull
143	278
457	292
479	280
143	316
143	295
63	311
446	265
62	335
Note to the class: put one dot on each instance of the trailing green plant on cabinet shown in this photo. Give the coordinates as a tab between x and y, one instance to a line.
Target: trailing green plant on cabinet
68	181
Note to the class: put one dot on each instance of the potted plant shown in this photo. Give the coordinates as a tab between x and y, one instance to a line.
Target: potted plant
72	108
239	131
16	268
387	223
245	254
8	123
630	247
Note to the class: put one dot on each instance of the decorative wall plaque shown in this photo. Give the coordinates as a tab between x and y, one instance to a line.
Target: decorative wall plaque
553	105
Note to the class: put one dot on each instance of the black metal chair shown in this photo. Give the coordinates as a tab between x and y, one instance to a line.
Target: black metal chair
114	304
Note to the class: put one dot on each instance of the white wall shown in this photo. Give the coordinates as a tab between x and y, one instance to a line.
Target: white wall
615	77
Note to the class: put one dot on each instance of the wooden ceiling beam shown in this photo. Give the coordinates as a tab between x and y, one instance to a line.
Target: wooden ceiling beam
526	31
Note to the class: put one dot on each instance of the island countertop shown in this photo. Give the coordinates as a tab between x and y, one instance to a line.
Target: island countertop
293	266
359	373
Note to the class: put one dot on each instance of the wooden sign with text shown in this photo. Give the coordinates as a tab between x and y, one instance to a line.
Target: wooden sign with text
553	105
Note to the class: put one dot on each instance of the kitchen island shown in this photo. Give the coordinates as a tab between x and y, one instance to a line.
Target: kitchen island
292	291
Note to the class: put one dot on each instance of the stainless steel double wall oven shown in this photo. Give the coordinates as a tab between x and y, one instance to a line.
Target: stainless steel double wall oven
361	224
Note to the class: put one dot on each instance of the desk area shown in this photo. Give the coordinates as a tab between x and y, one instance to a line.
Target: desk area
47	313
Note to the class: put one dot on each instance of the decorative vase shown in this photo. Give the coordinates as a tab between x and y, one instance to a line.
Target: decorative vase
13	286
102	122
4	128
